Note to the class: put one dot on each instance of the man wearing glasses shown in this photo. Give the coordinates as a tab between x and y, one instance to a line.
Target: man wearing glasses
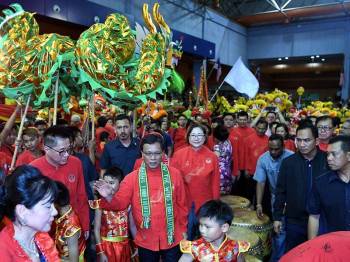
157	197
59	165
294	185
325	129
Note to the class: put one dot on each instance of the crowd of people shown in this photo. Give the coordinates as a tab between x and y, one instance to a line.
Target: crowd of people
153	191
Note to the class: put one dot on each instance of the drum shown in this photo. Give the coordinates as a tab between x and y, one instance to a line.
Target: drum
238	233
246	219
235	201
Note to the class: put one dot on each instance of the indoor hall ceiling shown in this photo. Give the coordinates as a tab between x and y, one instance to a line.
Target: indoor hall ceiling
258	12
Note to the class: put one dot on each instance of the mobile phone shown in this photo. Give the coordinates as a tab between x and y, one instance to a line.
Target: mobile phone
270	109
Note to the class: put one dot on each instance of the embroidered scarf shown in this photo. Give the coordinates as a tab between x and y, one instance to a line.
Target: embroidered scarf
168	200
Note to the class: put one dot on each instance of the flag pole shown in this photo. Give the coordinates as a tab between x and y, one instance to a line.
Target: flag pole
210	72
217	91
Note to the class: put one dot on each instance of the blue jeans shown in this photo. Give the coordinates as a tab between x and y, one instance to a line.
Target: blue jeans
279	243
295	235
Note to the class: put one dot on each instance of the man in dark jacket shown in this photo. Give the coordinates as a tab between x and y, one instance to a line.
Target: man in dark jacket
294	185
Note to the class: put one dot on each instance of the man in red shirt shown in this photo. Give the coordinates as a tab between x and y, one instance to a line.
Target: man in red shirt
254	146
237	135
59	165
325	129
179	134
31	140
157	197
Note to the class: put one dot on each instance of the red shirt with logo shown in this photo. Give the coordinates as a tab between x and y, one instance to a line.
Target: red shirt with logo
71	175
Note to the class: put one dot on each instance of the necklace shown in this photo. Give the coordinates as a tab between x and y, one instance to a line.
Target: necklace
32	250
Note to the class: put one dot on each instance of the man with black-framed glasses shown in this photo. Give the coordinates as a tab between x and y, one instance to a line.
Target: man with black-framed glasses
325	129
59	165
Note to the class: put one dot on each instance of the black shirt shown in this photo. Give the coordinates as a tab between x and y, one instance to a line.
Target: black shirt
331	196
294	184
116	154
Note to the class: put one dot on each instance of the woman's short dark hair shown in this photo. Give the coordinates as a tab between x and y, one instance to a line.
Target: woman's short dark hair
63	198
221	133
104	136
217	210
192	126
102	121
152	138
25	186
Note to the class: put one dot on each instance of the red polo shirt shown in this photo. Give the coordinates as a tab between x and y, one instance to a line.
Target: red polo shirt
71	175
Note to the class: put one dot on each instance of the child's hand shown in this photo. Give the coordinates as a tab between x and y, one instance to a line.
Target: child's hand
104	189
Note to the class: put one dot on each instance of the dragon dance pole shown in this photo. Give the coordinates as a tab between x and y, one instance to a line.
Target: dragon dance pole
54	120
19	135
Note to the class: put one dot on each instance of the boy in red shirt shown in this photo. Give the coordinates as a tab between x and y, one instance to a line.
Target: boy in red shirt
215	218
32	150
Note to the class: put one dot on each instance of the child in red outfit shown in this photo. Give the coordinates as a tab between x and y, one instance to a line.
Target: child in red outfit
69	239
111	227
215	218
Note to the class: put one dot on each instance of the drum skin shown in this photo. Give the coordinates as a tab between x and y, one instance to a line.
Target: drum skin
235	201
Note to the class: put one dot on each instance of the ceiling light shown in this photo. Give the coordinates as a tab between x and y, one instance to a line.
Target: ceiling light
279	59
280	66
312	57
286	58
313	65
323	59
317	56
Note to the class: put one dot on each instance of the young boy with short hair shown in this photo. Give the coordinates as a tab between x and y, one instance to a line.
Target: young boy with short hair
215	218
111	227
69	239
32	151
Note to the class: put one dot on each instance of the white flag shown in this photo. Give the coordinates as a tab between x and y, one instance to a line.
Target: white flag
241	79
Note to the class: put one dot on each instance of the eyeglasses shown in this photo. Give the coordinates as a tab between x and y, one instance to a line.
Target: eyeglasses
326	128
197	136
61	152
150	154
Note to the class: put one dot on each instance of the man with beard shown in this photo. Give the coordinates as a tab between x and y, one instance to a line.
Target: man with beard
59	165
123	151
294	184
325	129
331	191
